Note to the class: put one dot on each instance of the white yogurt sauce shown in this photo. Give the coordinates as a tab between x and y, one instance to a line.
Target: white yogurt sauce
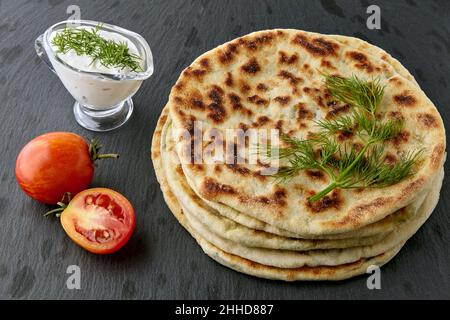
86	63
92	91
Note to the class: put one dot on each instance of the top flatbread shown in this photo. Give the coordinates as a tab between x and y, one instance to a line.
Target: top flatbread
271	79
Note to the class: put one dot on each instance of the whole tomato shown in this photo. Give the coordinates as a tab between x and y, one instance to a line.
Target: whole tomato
55	163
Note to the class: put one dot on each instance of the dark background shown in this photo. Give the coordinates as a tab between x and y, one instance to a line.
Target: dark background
162	260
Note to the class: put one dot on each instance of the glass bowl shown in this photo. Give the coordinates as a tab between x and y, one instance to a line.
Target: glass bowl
102	100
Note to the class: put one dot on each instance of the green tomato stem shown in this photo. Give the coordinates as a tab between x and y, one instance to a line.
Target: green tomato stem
62	207
94	148
108	155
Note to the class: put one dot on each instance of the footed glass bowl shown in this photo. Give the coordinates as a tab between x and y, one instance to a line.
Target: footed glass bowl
102	100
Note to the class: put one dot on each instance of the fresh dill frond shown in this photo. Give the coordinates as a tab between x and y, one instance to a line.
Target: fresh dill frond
347	166
302	155
305	147
88	42
340	124
344	158
365	169
373	172
385	130
328	148
355	91
296	164
384	174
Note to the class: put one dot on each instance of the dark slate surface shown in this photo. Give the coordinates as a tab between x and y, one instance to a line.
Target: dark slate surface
161	260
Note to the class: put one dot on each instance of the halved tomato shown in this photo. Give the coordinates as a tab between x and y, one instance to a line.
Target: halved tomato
100	220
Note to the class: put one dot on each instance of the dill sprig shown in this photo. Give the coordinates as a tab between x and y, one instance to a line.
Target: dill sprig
356	92
88	42
346	166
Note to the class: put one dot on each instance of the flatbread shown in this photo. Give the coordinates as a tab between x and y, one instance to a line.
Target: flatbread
246	266
286	63
271	79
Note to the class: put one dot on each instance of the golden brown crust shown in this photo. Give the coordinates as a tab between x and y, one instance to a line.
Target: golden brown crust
332	273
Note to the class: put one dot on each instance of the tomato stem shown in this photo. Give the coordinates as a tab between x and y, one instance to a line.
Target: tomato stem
107	155
94	148
66	198
57	211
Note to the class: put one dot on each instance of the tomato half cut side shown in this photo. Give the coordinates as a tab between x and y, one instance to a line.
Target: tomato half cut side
100	220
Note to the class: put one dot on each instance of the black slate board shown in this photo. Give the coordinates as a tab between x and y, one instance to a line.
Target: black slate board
162	260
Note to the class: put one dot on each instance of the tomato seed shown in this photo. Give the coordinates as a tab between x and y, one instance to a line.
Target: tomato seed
103	201
89	200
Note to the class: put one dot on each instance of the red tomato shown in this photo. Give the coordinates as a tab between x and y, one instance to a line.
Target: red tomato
55	163
100	220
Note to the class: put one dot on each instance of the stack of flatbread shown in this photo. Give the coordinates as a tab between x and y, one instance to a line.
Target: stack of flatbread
242	218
